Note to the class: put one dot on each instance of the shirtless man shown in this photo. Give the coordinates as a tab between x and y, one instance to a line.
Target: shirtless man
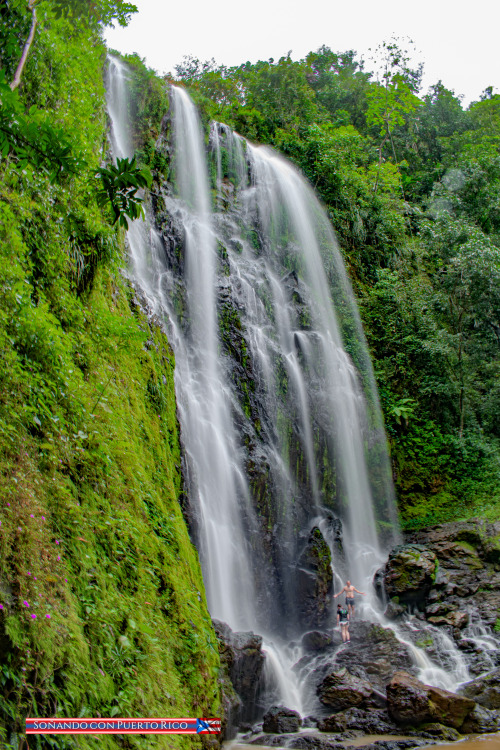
349	597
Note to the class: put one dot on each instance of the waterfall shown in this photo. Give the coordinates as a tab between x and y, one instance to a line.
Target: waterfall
117	103
281	428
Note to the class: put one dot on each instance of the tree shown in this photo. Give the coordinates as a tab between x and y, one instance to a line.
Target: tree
340	84
392	102
96	13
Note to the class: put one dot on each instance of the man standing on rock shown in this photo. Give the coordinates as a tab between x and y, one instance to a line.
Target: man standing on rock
343	621
349	597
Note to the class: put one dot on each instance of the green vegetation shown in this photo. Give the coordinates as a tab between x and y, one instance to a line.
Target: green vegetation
411	183
102	604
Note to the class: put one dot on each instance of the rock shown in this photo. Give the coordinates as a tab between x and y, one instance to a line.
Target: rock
396	744
485	690
376	651
467	578
369	722
280	720
310	721
315	581
456	620
241	655
441	732
481	720
313	742
317	640
341	689
410	573
410	701
301	742
393	611
378	583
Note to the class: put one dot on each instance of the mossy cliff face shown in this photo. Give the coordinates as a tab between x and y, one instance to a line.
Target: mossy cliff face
103	611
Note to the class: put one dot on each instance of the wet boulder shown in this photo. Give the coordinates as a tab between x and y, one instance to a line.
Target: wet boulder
281	720
317	640
440	732
481	720
410	573
315	581
242	657
313	742
411	702
485	689
340	689
358	719
394	611
376	651
299	741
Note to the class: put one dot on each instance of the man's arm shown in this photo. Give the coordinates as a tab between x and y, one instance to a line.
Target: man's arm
340	592
358	591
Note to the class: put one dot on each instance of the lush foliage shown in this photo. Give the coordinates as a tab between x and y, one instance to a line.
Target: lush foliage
412	185
120	183
102	604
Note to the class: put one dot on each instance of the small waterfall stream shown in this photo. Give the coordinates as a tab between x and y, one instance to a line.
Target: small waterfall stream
281	427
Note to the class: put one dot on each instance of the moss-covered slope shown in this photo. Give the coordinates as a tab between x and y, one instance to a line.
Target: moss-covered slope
102	604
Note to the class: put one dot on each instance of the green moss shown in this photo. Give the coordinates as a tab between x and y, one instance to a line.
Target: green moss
93	537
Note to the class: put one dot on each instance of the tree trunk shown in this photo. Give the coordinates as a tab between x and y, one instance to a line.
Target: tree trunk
19	70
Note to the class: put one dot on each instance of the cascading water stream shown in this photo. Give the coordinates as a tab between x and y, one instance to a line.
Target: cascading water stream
281	428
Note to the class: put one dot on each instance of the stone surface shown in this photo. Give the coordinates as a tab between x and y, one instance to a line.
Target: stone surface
300	742
485	690
315	581
368	722
340	689
410	573
317	640
481	720
281	720
411	702
394	611
468	579
241	655
441	732
376	652
396	744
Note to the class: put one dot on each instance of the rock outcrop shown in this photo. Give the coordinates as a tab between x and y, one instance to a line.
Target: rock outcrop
340	689
485	690
242	660
358	719
376	654
468	574
410	573
411	702
318	640
315	581
280	720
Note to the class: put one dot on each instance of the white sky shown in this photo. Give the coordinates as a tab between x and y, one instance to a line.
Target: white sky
456	40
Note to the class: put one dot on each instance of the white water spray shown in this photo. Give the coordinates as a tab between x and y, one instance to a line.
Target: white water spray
313	427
